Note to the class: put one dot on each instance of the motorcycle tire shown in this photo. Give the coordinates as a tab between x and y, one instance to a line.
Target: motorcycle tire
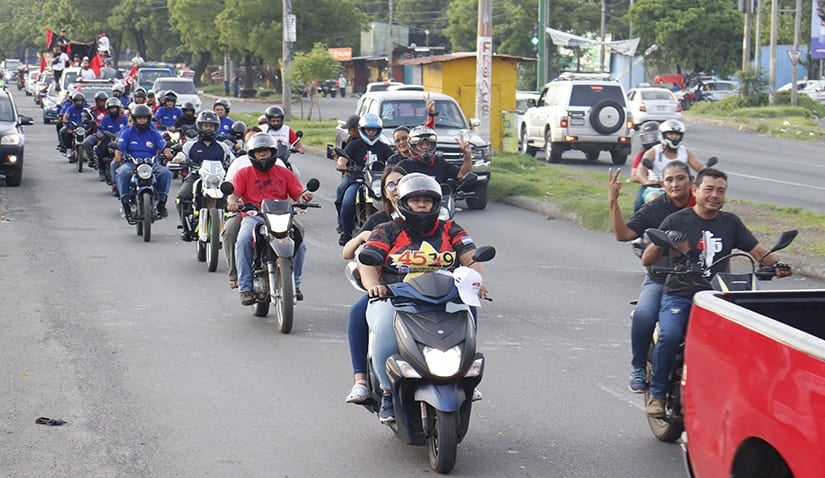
361	209
213	244
200	250
146	217
260	309
668	428
284	298
80	154
442	444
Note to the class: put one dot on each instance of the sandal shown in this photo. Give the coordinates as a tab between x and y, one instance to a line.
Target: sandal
233	284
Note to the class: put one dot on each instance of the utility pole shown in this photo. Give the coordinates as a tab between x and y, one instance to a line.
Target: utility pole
772	60
746	35
758	43
796	27
603	33
484	66
630	36
389	47
541	65
286	57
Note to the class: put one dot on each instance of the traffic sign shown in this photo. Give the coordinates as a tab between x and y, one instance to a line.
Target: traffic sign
794	55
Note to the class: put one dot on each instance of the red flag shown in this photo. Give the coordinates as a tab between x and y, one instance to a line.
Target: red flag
49	37
132	74
42	62
69	50
95	64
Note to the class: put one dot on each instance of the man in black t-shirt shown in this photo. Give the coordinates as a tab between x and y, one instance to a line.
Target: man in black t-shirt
424	158
709	235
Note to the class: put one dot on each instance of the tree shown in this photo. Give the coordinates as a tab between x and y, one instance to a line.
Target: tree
308	67
194	20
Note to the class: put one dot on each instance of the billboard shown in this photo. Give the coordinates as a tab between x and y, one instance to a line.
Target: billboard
818	29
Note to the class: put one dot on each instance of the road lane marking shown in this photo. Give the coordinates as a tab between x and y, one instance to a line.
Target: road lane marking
778	181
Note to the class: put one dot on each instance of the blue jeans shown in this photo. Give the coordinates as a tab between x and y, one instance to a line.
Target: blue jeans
163	180
380	315
640	199
644	320
673	318
358	334
348	208
339	195
245	254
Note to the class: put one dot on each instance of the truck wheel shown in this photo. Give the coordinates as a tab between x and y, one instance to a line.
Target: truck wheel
553	155
607	116
592	155
13	179
523	145
480	201
618	159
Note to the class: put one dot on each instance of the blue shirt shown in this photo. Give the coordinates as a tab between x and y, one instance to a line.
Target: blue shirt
113	125
74	111
125	100
226	126
166	117
140	144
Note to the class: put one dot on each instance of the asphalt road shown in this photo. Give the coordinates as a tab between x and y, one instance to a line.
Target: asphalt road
158	371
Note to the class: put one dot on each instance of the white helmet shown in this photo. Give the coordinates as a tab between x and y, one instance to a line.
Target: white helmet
671	126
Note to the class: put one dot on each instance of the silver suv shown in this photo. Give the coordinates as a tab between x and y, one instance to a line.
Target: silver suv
408	108
584	112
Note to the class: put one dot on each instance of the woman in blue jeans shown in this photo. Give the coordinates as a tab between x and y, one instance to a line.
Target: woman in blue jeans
357	331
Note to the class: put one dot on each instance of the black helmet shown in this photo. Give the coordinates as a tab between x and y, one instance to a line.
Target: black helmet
223	102
78	97
113	103
101	96
262	141
142	111
274	112
170	96
207	117
141	93
649	134
117	90
419	185
418	136
238	129
188	106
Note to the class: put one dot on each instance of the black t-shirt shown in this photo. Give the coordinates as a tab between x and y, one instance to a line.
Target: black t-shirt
361	153
375	219
395	159
441	170
708	240
651	215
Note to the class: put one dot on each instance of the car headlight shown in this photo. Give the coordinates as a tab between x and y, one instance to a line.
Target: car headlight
482	153
13	138
443	363
144	171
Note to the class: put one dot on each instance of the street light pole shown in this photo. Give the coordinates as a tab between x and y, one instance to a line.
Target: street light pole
603	33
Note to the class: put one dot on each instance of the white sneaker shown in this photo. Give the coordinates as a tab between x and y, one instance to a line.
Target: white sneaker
359	393
477	395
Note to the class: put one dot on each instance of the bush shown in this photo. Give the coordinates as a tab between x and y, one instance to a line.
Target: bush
266	93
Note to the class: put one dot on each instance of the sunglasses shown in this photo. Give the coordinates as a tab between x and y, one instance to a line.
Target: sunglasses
390	186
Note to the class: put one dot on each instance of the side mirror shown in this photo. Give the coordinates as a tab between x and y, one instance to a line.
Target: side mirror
370	258
227	188
484	254
531	103
784	241
299	134
313	184
469	178
340	152
712	162
25	120
475	123
660	238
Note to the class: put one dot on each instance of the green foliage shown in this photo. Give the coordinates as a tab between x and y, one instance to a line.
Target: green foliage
751	85
313	65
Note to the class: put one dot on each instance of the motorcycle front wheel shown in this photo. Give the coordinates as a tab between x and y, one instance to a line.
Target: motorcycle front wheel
146	216
284	298
80	154
442	444
213	245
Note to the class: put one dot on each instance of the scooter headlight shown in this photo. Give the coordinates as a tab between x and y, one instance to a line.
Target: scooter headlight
80	131
144	171
213	181
376	187
443	363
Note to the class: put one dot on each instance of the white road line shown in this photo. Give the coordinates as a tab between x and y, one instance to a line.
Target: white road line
787	183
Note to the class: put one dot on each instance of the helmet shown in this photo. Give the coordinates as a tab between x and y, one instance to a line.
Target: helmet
262	141
418	137
419	185
142	111
238	129
170	96
140	93
188	106
671	126
117	90
113	103
78	97
370	121
207	117
274	112
649	134
101	95
223	102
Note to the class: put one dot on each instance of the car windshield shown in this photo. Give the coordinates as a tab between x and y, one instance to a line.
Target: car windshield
589	95
721	86
149	76
6	109
179	87
396	113
657	95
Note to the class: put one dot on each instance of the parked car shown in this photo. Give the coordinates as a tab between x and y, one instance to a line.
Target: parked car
815	89
328	88
10	66
183	87
579	111
43	82
11	139
715	90
31	82
801	85
652	104
50	102
380	86
408	108
524	100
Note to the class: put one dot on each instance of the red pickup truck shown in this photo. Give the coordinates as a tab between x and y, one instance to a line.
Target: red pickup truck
754	384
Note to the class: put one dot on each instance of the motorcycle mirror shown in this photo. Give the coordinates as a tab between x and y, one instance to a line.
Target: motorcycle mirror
313	184
470	178
340	152
299	134
660	238
647	163
227	188
370	258
711	162
784	241
484	254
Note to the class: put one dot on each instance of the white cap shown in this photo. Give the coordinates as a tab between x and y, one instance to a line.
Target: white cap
468	283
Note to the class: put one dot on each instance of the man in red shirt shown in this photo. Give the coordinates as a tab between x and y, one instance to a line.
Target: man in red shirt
252	184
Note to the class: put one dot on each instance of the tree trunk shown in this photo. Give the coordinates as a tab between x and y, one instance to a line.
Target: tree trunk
249	80
204	58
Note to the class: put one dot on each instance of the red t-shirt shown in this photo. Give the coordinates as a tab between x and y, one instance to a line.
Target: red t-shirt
254	185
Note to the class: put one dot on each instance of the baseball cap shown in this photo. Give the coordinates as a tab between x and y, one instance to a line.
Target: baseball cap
468	282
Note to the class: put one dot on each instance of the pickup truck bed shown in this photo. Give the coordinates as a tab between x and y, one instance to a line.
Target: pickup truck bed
754	390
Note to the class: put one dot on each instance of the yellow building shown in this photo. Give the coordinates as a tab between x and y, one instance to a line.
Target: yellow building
454	74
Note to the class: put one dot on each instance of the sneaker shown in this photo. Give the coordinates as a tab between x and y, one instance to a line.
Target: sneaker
344	238
101	176
162	212
359	393
185	236
92	165
247	298
298	294
387	412
339	229
655	408
638	384
477	395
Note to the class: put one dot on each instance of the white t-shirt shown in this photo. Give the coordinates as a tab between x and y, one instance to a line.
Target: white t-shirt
87	74
60	65
103	43
660	161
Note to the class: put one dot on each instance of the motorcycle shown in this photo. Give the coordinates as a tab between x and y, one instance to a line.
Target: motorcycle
670	427
273	279
104	162
79	132
176	139
368	178
437	369
142	196
456	190
208	208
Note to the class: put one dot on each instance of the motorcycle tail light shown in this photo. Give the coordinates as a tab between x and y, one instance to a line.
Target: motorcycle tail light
443	363
144	171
